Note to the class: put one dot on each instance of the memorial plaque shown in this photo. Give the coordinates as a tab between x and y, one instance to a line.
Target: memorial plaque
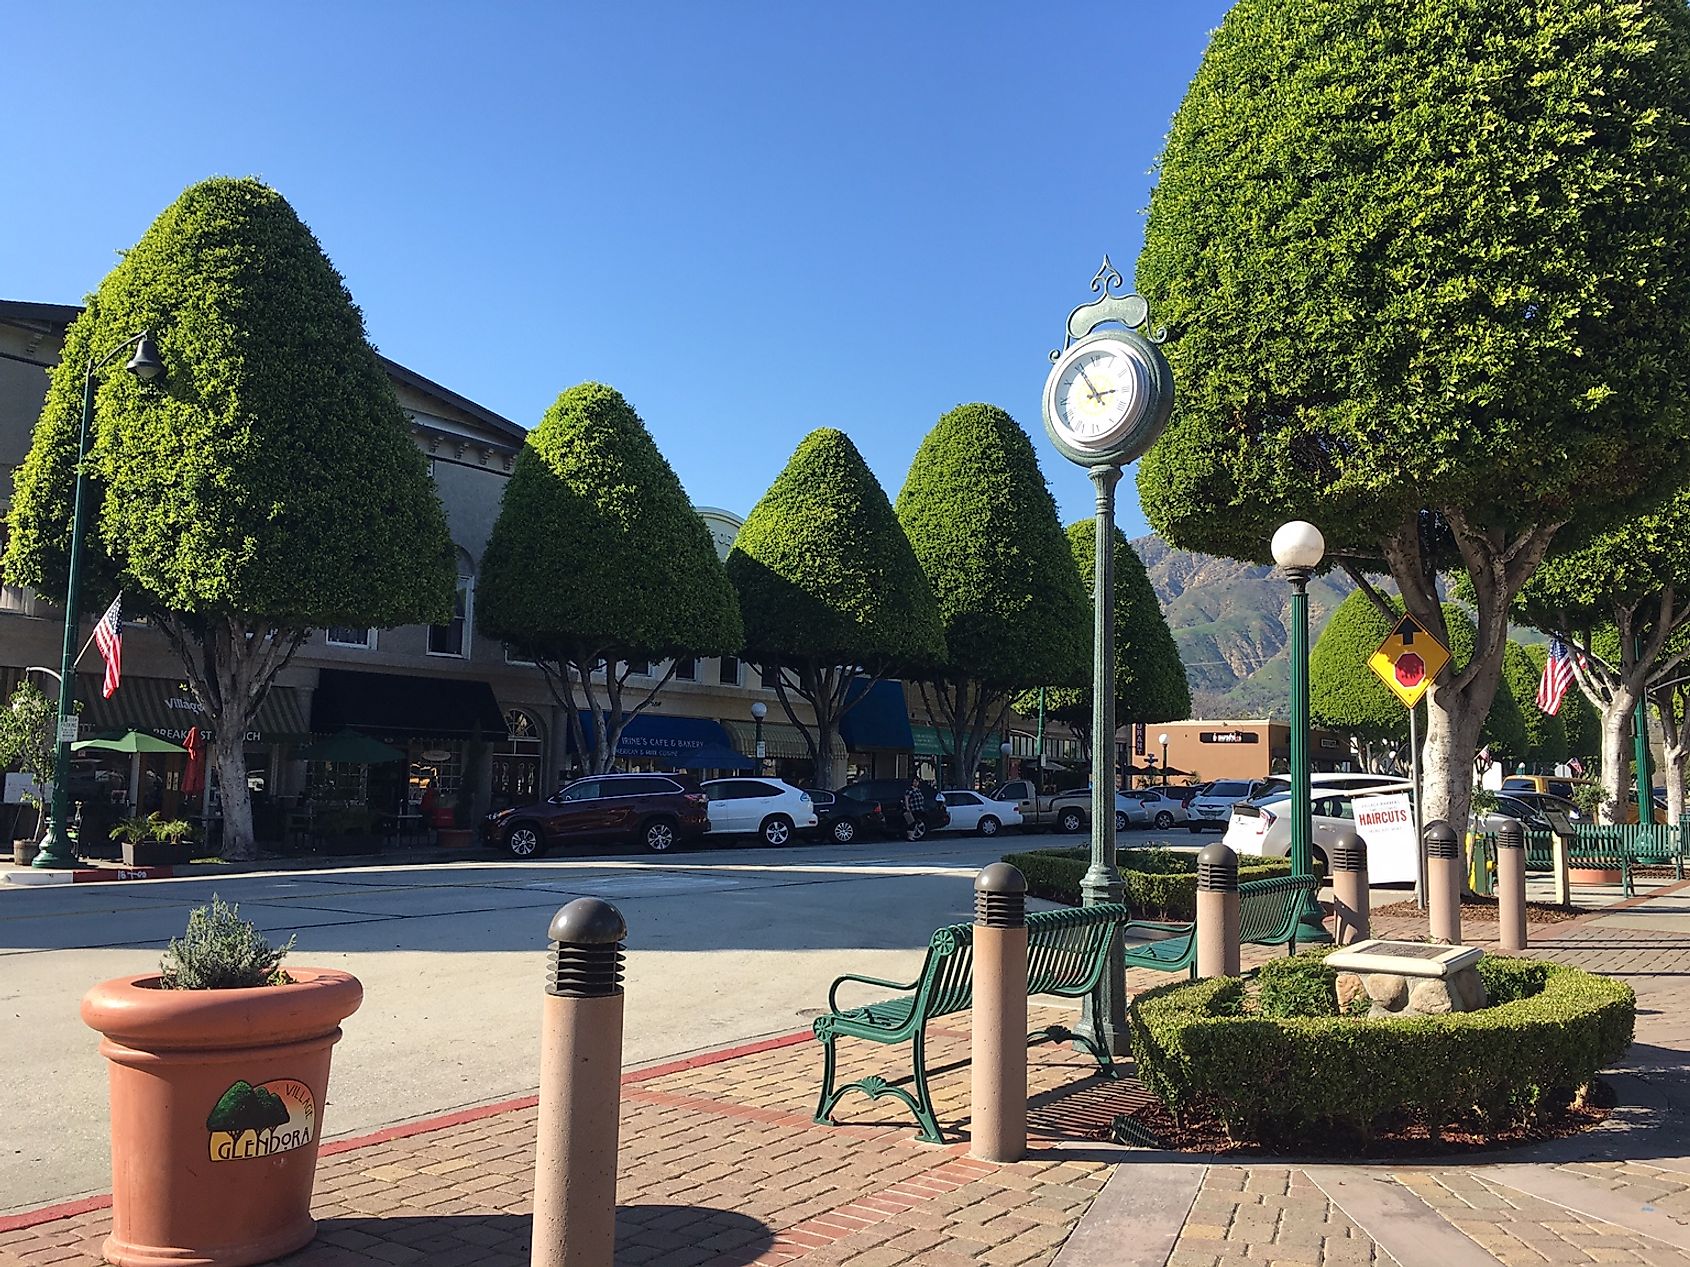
1404	958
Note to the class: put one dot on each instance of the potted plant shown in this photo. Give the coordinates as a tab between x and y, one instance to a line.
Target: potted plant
346	830
218	1073
28	741
152	841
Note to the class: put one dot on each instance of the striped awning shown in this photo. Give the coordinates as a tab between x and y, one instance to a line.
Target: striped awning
166	708
780	739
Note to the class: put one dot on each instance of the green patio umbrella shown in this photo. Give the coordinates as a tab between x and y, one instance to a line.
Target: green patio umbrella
349	747
133	741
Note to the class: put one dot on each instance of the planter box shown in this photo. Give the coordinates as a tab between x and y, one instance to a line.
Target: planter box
152	853
455	837
216	1112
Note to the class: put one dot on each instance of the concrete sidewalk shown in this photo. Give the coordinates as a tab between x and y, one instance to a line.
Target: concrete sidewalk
721	1164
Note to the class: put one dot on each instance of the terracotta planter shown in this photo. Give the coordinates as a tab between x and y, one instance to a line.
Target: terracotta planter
216	1112
1593	875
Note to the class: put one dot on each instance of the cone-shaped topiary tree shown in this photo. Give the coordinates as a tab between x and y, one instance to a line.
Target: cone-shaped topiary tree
1150	683
829	588
1344	694
1426	275
983	525
269	485
598	561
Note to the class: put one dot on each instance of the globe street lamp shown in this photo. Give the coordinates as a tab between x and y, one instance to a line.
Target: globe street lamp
1003	765
56	851
759	710
1298	548
1163	740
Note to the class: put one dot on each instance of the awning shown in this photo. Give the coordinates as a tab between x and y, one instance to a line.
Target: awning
780	739
930	741
681	741
402	705
166	707
880	720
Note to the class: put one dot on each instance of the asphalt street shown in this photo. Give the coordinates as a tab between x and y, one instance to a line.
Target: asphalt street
723	945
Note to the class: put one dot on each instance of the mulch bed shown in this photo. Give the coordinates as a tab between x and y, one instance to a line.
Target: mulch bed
1485	908
1152	1126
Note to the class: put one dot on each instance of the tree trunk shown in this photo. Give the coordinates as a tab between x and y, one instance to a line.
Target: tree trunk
1447	754
1616	753
1674	751
239	843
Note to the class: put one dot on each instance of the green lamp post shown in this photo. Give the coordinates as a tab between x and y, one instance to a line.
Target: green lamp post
1298	548
1106	399
56	850
1640	755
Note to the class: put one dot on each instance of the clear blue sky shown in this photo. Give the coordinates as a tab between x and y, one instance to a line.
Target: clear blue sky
752	219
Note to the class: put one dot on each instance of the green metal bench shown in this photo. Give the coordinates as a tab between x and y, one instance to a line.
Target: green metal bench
1267	916
1067	953
1605	847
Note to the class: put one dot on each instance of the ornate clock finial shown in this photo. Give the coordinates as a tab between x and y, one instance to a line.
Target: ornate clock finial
1114	302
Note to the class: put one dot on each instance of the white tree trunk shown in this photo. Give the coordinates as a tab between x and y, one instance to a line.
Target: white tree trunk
1450	746
239	842
1675	750
1616	741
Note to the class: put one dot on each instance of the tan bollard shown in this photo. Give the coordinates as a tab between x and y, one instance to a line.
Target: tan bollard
1511	885
1558	853
1443	881
998	1091
1217	912
580	1089
1351	902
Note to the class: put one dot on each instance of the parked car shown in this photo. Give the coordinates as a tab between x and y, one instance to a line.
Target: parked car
1543	803
1553	784
889	795
979	813
655	810
1068	811
1183	792
1331	781
762	807
1164	810
1130	811
842	819
1212	807
1262	828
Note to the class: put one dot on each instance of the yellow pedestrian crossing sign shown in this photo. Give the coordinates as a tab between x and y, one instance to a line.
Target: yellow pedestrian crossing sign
1408	661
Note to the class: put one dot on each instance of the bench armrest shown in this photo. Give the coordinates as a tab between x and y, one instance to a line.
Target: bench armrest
1185	927
833	990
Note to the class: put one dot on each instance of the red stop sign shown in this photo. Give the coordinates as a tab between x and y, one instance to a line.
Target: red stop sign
1410	669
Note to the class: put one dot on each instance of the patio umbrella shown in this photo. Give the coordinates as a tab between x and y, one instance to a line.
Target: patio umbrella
193	778
132	742
349	747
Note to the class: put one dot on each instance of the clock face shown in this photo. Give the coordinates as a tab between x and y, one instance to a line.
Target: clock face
1096	393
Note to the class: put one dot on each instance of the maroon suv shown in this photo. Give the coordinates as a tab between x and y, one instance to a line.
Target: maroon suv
654	810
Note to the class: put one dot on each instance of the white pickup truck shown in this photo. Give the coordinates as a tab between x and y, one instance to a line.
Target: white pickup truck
1068	811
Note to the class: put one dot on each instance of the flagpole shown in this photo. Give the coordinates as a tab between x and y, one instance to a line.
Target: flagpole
1414	779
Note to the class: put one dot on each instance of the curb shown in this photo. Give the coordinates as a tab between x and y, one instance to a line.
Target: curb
440	1121
86	875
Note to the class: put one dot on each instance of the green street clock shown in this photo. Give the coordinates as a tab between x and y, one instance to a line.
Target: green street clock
1108	397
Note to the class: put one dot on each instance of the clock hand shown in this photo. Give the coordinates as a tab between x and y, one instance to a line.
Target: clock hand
1090	386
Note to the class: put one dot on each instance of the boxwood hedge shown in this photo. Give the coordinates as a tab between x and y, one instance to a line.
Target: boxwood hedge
1308	1079
1159	883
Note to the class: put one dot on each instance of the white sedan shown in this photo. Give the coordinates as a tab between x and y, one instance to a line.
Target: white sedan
975	812
763	807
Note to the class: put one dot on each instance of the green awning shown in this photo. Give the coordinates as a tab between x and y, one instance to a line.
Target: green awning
780	739
932	742
166	707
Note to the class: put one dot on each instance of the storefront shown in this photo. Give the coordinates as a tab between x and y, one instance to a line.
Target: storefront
935	759
658	742
875	730
786	753
446	729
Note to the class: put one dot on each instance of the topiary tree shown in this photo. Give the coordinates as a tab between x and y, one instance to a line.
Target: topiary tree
1426	274
28	741
1150	682
1346	695
1622	599
982	523
269	486
598	560
830	589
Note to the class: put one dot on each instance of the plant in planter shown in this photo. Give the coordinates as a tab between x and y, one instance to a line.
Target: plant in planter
152	841
28	740
348	829
219	1067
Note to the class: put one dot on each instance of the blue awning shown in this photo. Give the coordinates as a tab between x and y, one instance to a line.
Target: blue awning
878	717
681	741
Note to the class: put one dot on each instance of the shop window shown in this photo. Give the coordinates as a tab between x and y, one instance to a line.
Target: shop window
516	761
639	668
347	636
513	656
452	638
729	673
771	676
686	670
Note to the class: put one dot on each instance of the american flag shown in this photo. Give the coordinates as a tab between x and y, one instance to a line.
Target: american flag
1557	677
108	637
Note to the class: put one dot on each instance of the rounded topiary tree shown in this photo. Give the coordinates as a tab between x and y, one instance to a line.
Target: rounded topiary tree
1426	275
597	561
268	486
829	587
1346	695
1150	682
984	527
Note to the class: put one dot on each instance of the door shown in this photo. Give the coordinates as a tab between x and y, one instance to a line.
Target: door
726	807
965	810
1020	792
581	812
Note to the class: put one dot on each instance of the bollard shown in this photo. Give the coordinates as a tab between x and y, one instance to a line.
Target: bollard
1511	885
1443	881
1558	852
998	1109
580	1089
1217	912
1351	903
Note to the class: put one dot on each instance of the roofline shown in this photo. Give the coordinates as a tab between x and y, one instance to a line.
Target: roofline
61	315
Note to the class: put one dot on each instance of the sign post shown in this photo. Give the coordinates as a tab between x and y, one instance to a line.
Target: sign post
1408	662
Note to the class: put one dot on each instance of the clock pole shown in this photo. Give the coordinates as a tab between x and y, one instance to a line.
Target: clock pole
1107	1023
1126	364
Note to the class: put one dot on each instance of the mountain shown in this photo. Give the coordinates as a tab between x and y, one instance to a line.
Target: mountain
1231	621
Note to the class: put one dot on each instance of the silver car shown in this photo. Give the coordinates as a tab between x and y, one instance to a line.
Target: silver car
1164	810
1262	828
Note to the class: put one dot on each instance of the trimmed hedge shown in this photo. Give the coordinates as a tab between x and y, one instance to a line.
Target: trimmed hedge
1301	1079
1159	883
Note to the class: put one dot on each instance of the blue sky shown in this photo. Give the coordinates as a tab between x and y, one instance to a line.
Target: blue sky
752	219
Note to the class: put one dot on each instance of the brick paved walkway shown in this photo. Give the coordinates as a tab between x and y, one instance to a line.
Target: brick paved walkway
721	1164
